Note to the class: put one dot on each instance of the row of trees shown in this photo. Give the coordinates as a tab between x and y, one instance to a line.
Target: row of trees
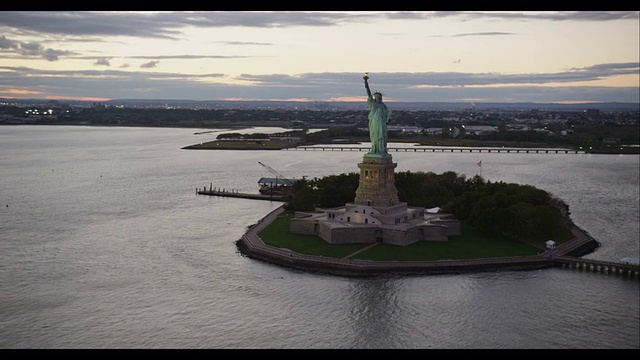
576	136
501	209
512	211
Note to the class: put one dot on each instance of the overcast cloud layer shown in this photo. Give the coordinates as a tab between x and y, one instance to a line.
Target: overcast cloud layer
321	56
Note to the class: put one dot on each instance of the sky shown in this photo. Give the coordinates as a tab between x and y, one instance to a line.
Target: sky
419	56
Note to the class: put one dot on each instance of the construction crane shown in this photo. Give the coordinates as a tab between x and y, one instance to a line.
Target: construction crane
271	170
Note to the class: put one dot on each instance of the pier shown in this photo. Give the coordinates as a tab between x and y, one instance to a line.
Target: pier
235	194
444	149
599	266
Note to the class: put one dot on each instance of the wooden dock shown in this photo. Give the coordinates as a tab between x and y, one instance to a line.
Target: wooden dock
235	194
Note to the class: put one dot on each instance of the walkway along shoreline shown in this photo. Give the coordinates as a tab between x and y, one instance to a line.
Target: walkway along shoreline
567	254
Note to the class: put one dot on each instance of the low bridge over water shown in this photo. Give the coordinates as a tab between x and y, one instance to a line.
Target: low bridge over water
605	267
443	149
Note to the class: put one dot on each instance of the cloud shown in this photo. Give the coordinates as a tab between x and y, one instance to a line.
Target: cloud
103	61
191	57
168	24
150	64
82	26
158	24
539	15
31	49
79	23
405	87
493	33
29	35
7	44
408	80
35	49
243	43
54	55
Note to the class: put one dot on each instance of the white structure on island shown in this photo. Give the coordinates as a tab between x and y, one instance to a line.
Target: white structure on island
376	214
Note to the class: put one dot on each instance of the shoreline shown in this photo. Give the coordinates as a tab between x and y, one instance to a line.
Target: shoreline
252	246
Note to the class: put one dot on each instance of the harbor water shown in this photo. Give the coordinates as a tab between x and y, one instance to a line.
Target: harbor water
105	244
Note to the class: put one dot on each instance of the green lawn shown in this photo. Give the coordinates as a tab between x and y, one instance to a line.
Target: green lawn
469	245
277	235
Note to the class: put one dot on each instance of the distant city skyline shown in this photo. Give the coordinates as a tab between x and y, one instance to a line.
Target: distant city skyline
429	56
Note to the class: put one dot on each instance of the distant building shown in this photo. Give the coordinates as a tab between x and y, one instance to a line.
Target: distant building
434	131
405	129
593	113
518	127
479	129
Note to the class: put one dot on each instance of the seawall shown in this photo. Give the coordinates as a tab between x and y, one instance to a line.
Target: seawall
252	246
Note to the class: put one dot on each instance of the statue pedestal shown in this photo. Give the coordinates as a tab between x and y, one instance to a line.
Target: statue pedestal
377	185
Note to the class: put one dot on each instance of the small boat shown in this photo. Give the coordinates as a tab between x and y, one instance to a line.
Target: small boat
275	186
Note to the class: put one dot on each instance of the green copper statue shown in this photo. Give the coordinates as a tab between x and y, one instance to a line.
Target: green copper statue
379	117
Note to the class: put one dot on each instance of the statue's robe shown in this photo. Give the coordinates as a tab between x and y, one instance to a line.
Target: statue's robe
379	117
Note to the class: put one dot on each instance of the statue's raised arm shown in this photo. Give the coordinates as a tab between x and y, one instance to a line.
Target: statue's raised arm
366	84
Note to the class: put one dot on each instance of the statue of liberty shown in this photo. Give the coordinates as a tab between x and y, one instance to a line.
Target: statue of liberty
379	117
